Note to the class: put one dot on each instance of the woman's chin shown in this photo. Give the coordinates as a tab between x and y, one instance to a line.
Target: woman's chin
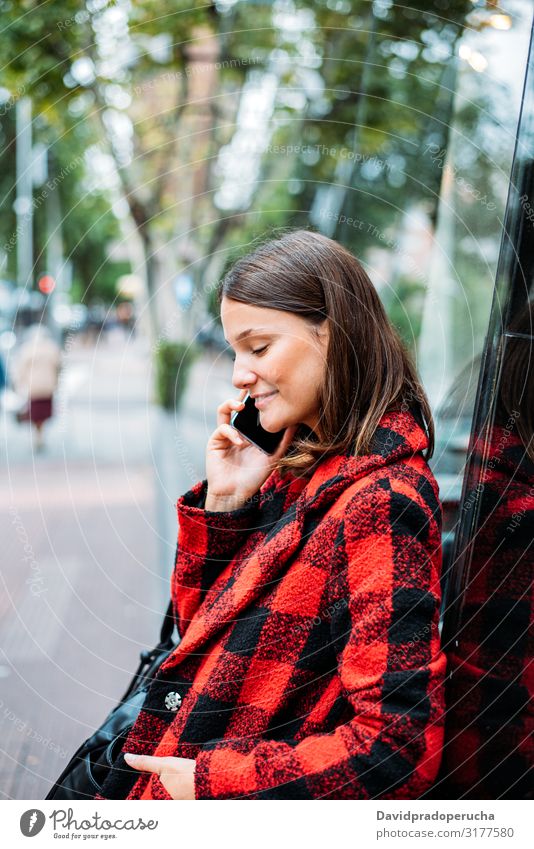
272	425
273	428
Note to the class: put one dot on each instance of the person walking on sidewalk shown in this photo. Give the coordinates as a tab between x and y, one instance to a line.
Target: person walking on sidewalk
35	377
306	587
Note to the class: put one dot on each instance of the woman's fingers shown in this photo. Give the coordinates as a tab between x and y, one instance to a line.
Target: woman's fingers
225	410
159	765
225	433
145	763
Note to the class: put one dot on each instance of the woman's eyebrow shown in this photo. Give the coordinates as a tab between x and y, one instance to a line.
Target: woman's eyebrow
247	333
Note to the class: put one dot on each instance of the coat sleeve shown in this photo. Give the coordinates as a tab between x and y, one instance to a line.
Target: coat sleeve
390	665
207	541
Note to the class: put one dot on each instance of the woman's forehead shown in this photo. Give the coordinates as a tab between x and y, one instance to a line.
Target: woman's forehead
240	316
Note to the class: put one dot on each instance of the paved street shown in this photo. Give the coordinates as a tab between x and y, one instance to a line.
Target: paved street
88	530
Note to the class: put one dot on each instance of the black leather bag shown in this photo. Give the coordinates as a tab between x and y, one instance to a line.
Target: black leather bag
88	768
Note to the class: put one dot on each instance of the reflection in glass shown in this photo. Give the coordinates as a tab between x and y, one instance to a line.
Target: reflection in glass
489	610
489	750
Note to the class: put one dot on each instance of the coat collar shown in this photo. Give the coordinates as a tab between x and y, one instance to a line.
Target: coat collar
398	438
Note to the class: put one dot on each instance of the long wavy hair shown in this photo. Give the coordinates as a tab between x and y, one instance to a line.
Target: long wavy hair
369	372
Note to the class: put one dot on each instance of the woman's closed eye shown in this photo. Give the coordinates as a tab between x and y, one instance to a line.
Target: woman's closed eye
257	351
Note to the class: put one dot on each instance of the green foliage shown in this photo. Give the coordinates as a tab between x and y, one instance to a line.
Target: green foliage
102	286
405	311
8	223
388	95
173	361
88	225
372	79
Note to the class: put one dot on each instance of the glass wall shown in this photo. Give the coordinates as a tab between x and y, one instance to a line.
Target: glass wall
423	198
489	604
437	207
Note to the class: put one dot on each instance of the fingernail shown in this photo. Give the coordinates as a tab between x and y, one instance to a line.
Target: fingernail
131	758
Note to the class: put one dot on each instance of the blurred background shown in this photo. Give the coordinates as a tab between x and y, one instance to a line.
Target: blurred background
143	147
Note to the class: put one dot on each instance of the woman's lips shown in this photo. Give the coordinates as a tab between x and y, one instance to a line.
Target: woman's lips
260	402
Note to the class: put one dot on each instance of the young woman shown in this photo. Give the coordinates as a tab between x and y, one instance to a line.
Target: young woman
306	587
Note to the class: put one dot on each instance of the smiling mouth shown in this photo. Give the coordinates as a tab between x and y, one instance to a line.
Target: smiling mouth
260	400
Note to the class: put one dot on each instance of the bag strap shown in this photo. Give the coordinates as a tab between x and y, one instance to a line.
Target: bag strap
166	642
167	626
147	657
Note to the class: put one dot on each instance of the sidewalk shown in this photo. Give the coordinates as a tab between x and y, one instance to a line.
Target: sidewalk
89	530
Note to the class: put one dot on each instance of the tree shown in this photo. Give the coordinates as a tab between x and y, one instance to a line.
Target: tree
359	92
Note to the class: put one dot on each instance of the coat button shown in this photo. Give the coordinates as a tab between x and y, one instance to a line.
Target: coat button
173	701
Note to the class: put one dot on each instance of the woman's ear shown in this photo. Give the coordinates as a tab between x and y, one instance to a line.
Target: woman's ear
323	332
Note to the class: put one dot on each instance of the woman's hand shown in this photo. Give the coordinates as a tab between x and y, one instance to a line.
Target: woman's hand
236	469
176	774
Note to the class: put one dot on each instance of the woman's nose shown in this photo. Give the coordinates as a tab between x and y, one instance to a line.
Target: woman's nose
242	378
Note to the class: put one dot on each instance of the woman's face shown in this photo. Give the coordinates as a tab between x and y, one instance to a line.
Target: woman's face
282	355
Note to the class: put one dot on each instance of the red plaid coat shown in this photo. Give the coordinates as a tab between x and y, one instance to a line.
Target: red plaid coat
309	664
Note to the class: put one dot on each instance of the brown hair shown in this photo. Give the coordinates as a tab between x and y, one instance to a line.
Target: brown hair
369	372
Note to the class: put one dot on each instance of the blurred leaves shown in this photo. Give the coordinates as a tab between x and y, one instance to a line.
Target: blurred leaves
173	364
371	81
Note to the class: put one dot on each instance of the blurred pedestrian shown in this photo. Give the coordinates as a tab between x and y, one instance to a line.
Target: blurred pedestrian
35	378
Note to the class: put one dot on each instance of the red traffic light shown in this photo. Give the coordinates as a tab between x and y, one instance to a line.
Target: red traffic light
46	284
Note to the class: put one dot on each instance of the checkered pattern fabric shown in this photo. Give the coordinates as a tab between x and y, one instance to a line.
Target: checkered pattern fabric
489	734
309	664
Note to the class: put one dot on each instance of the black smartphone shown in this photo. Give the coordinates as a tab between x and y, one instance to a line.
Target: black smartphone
247	422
